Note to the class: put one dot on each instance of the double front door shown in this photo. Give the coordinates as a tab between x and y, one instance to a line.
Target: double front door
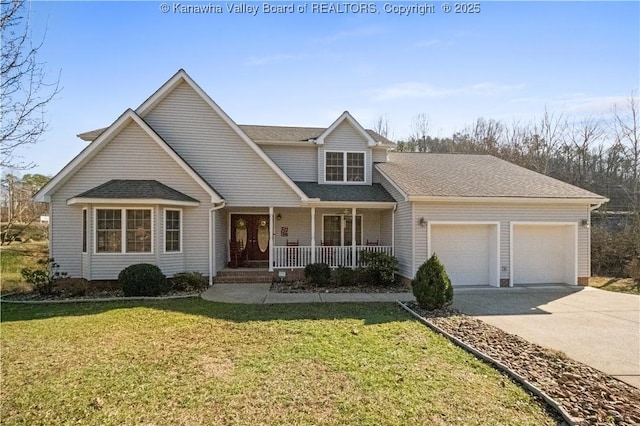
251	232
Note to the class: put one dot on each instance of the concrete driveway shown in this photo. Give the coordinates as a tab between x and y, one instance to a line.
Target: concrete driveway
596	327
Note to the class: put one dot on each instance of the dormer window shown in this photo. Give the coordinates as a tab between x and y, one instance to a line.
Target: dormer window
344	166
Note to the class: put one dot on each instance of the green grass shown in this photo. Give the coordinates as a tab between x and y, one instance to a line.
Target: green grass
619	285
15	257
191	362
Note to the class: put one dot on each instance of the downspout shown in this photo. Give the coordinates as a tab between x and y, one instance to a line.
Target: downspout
212	247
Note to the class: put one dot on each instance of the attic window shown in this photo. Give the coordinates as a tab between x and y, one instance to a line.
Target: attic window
344	166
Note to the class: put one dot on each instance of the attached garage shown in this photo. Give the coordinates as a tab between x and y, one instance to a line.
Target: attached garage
544	253
468	251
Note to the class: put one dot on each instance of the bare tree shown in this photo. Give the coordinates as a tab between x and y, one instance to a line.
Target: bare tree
420	129
381	126
23	84
627	134
582	136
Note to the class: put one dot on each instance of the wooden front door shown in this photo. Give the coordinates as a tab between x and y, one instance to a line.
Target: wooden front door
252	232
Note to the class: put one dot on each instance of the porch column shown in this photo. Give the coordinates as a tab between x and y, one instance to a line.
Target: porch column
271	239
353	237
313	235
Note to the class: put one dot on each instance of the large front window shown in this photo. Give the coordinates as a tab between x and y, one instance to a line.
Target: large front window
337	230
113	226
344	166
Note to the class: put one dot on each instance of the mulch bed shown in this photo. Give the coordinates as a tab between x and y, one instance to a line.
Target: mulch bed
303	287
590	396
104	294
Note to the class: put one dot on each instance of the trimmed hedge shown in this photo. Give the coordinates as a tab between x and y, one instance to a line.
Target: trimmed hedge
142	279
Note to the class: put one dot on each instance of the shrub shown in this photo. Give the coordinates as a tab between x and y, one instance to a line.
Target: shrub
142	279
432	286
344	277
317	274
188	281
44	279
381	268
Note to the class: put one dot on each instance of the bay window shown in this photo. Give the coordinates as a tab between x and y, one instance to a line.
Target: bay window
133	226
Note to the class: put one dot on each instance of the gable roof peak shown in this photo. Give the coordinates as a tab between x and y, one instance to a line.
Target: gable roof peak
346	116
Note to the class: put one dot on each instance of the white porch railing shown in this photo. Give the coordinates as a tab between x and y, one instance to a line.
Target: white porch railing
334	256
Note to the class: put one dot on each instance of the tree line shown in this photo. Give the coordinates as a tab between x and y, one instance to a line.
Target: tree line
599	154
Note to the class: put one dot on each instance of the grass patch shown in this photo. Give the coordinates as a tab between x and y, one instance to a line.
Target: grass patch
195	362
619	285
15	257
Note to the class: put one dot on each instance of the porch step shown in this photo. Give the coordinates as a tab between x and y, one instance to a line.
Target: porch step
243	276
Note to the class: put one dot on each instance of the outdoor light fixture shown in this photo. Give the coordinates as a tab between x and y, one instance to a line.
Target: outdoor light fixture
584	223
278	216
422	222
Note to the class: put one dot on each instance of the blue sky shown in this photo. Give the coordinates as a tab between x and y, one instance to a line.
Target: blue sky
509	61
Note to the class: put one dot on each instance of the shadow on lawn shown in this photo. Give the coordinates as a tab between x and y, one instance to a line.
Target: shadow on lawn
371	313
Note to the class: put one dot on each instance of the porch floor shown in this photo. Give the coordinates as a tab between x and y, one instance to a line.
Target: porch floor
260	294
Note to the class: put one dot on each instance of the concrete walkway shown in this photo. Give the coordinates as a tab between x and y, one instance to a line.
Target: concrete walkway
596	327
259	293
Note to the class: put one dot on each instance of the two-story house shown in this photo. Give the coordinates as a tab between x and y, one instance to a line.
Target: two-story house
177	183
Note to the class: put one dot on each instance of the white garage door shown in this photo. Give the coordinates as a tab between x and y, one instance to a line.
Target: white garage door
544	254
466	251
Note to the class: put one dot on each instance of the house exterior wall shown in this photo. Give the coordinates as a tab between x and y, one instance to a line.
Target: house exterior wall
403	234
504	213
299	163
207	143
344	138
379	155
121	158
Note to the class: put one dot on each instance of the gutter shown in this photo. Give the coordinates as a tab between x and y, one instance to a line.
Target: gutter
212	247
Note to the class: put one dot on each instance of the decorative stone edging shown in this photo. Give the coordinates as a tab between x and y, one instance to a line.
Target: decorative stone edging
497	364
97	299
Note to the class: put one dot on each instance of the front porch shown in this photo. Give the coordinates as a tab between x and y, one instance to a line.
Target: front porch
292	238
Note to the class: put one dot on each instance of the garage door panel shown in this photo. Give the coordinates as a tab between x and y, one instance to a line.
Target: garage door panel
464	251
542	254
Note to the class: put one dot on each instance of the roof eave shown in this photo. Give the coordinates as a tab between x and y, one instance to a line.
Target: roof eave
131	201
349	204
518	200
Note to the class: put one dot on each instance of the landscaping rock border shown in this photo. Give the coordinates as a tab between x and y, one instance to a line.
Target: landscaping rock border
581	394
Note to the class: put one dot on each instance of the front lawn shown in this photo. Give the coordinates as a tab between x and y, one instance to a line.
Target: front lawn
192	362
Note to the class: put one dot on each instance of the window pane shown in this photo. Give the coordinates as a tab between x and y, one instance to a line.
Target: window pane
139	231
355	166
334	166
172	230
332	231
108	231
348	228
84	231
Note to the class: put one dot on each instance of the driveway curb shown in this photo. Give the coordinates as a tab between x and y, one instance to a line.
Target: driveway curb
496	364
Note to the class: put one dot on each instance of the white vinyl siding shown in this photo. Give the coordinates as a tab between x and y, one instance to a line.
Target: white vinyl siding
120	159
504	214
344	138
379	155
207	143
299	163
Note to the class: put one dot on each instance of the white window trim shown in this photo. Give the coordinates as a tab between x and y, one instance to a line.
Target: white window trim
344	168
85	231
164	231
342	234
123	230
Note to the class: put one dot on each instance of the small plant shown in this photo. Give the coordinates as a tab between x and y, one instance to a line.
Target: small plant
633	269
318	274
142	279
44	279
432	286
381	267
188	281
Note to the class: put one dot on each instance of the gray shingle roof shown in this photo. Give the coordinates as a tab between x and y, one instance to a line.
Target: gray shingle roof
357	193
265	134
461	175
140	189
294	134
